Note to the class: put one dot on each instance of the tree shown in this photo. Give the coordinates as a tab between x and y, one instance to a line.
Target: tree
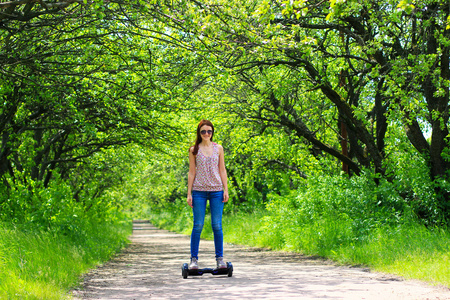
75	81
310	67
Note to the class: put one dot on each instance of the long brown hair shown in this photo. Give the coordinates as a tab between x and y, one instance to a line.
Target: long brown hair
199	136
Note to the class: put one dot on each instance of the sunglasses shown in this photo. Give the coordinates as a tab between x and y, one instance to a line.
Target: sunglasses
206	131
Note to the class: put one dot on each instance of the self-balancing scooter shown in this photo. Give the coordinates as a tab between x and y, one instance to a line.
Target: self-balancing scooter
185	272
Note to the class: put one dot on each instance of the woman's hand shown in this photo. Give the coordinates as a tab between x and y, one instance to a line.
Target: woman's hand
225	196
189	201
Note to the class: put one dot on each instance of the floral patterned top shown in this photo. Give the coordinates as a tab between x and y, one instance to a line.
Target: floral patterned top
207	177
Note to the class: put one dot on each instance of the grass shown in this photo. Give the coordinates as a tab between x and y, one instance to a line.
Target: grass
411	251
414	252
36	264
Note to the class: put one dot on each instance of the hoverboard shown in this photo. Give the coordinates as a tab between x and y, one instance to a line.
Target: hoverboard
185	271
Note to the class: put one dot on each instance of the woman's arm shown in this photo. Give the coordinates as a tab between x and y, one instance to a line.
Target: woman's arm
191	176
223	174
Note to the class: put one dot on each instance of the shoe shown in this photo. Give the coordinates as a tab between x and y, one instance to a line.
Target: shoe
220	263
194	264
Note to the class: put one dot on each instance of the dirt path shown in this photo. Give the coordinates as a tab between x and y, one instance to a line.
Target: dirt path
150	268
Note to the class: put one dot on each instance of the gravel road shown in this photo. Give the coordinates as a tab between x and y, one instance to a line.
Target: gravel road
150	268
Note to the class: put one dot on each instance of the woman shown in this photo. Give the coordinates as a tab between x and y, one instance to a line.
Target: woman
207	180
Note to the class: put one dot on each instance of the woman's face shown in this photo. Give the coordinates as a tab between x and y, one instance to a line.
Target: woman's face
206	132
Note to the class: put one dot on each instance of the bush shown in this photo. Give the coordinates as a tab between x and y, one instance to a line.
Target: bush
48	239
330	212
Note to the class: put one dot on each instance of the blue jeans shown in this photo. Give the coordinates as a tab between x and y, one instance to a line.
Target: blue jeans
199	199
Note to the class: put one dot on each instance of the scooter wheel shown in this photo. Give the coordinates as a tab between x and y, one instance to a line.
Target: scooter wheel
185	270
230	269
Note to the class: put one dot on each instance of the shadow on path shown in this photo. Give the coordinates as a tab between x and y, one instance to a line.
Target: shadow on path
150	268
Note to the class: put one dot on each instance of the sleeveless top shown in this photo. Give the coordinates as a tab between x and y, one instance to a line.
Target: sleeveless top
207	177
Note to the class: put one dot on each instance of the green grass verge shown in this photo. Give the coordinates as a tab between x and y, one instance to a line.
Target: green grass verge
412	251
36	264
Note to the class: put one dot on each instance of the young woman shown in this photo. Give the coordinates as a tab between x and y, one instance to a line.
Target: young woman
207	180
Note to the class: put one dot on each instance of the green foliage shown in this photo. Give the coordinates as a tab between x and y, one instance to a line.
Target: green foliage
54	208
331	211
98	106
38	264
291	67
176	216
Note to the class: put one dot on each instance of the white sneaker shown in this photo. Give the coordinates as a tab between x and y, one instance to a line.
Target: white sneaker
194	264
220	263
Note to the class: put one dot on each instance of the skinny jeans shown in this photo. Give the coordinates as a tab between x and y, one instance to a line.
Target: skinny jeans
199	199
